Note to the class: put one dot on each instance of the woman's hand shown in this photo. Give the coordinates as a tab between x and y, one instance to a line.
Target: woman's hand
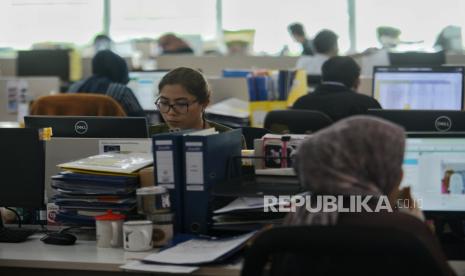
407	204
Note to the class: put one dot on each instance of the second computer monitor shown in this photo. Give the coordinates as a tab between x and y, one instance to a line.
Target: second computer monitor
22	170
91	126
144	84
45	62
426	88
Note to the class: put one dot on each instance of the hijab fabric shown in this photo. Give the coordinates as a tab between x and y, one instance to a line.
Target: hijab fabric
360	155
107	67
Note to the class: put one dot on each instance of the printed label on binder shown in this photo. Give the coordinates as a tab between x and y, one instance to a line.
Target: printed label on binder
194	164
164	166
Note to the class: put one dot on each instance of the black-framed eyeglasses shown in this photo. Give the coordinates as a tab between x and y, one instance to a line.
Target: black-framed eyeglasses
181	107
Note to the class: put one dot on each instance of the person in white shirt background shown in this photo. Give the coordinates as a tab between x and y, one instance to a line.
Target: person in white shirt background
325	46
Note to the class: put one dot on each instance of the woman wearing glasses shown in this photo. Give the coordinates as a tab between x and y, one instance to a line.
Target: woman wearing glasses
184	95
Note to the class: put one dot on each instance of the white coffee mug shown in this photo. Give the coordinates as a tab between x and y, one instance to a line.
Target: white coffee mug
137	235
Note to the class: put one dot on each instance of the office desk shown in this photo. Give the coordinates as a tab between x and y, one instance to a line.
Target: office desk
83	258
36	258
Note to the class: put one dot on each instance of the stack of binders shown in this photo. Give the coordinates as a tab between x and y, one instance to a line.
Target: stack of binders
274	86
81	196
246	214
91	186
189	164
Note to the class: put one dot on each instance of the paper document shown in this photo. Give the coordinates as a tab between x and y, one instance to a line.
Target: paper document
203	132
246	203
278	171
112	162
230	107
139	266
199	251
133	145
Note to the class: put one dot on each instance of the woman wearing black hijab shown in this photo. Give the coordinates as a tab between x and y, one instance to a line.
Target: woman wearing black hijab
110	76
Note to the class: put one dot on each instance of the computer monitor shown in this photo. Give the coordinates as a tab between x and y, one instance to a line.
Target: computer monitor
427	88
434	168
22	166
144	84
54	62
91	126
424	120
417	58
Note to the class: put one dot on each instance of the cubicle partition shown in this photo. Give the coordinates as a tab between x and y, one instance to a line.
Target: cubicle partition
10	93
8	67
224	88
455	59
214	65
365	87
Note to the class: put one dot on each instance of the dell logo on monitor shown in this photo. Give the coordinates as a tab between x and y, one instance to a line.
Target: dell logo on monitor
443	123
81	127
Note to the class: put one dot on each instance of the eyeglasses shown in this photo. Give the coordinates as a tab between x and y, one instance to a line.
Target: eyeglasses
180	108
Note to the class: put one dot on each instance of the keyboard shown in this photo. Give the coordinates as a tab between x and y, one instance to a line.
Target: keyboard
15	234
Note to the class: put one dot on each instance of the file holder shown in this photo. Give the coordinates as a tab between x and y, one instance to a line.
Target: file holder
247	183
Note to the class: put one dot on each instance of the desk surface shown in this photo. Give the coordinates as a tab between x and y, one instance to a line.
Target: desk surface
84	255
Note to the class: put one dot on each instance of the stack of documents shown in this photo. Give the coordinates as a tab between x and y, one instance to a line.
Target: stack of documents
188	256
89	187
246	214
231	111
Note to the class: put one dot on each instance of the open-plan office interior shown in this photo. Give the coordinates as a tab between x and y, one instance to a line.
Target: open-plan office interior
232	137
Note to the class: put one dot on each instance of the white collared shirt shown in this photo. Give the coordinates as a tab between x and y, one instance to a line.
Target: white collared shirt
312	64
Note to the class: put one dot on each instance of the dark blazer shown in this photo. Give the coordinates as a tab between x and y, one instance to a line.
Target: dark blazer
336	101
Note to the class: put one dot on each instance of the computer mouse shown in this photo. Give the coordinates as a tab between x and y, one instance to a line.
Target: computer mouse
59	238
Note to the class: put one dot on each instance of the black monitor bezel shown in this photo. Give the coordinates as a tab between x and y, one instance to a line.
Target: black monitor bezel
79	118
422	69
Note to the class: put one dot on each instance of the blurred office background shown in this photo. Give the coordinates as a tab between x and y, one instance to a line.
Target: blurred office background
25	23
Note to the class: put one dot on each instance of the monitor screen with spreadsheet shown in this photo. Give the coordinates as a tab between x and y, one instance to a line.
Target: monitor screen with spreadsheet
144	84
426	88
434	168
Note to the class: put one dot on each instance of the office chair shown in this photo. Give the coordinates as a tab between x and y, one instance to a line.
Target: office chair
342	250
313	80
296	121
252	133
82	104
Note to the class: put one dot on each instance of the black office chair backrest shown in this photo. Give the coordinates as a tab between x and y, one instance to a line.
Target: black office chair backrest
340	250
252	133
313	80
296	121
